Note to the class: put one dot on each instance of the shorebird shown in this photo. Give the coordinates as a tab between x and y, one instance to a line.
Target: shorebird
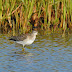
25	39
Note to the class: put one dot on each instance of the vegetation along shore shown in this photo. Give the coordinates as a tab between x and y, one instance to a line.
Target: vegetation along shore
24	15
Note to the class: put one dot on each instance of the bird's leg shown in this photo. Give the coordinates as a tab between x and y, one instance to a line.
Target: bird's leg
23	49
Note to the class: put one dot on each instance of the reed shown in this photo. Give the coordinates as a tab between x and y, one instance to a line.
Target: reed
0	9
70	3
23	15
64	15
0	13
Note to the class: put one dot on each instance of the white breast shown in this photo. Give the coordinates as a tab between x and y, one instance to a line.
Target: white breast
30	41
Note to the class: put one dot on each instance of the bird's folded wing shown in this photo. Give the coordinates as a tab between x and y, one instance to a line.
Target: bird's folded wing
18	38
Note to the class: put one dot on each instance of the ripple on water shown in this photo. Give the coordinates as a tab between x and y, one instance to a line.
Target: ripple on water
48	53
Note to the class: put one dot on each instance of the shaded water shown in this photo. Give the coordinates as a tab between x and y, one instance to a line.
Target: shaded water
49	53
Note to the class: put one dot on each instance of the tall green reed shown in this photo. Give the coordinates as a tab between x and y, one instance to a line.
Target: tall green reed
0	12
64	14
71	9
23	11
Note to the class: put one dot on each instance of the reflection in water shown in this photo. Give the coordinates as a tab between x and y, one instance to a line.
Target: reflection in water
48	53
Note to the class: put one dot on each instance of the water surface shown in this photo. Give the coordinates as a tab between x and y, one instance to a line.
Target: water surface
49	53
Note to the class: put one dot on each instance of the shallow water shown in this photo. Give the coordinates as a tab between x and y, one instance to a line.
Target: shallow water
49	53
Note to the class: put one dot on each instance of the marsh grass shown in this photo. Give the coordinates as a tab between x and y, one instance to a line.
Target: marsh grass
24	15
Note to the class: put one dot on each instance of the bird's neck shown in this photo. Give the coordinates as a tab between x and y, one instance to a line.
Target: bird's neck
33	37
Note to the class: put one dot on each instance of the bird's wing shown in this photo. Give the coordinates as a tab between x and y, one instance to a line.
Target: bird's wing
18	38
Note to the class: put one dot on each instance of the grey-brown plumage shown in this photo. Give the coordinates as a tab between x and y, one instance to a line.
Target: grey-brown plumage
18	38
25	39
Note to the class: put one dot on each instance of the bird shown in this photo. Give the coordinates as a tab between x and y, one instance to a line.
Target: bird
25	39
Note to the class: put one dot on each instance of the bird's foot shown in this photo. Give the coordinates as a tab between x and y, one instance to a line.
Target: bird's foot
23	49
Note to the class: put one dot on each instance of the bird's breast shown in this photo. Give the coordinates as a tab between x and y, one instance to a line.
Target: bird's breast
29	42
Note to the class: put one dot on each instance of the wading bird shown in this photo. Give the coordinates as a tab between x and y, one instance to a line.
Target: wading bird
25	39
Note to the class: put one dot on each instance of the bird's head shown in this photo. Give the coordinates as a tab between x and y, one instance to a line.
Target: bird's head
35	32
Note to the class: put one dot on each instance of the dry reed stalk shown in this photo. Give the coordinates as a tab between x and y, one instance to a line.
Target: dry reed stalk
0	9
49	14
61	24
13	28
